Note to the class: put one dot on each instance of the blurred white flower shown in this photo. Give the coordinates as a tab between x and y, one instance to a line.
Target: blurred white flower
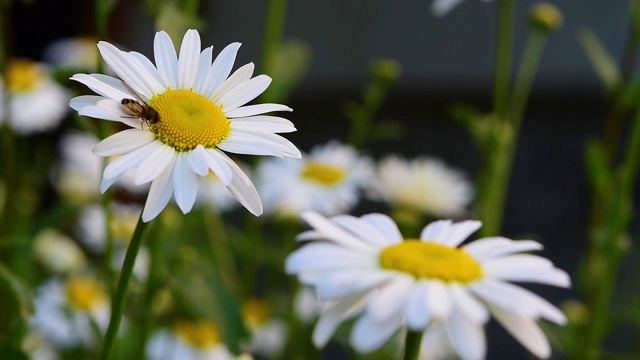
306	305
363	267
443	7
328	181
424	185
75	52
57	252
188	340
268	335
36	103
64	311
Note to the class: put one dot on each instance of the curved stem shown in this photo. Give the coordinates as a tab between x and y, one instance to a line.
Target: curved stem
117	305
412	345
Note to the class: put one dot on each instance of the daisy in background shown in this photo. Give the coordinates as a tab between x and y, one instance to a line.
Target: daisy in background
67	312
188	339
423	185
57	252
328	181
268	334
185	112
74	53
443	7
36	102
362	267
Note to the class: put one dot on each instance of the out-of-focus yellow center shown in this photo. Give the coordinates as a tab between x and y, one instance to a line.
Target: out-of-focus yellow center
84	293
23	75
427	260
188	119
255	313
202	334
323	173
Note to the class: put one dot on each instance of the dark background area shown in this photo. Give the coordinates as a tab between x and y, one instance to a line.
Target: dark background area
444	60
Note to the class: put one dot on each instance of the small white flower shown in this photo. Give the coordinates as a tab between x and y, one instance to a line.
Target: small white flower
58	252
363	267
185	112
443	7
328	181
36	103
425	185
188	340
64	311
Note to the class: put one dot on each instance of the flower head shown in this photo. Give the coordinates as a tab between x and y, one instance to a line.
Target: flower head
36	102
184	113
268	334
424	185
328	181
364	267
188	340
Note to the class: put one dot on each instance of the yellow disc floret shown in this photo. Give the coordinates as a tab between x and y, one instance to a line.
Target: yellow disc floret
23	75
323	173
427	260
188	119
84	293
202	334
255	313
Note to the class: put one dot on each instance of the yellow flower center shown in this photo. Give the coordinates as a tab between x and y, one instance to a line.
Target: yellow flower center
23	75
254	313
202	334
84	293
188	119
427	260
323	173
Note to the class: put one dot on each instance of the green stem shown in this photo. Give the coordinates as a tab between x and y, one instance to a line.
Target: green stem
220	250
117	306
617	222
504	45
362	115
494	179
412	345
273	30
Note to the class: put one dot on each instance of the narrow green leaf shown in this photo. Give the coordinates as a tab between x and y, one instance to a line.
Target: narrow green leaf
602	62
18	290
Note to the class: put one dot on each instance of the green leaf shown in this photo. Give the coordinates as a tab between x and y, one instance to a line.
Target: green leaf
597	167
20	292
602	62
631	94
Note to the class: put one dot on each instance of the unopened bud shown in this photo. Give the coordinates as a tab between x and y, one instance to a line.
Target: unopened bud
386	69
545	16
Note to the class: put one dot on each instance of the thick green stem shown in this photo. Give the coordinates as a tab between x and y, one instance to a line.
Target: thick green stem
273	30
117	305
616	224
504	45
496	173
412	345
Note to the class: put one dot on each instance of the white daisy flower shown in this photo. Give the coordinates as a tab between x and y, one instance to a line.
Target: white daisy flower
268	334
65	310
443	7
424	185
184	113
328	181
363	266
57	252
188	340
36	103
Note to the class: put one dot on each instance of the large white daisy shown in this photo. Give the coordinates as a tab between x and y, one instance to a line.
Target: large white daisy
364	267
328	181
191	111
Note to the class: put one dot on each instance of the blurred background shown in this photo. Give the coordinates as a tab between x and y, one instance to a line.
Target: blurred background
444	61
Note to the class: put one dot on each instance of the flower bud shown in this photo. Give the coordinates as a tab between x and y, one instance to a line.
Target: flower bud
545	16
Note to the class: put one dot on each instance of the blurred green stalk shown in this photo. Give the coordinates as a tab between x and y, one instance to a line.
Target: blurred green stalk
504	45
117	304
273	30
412	345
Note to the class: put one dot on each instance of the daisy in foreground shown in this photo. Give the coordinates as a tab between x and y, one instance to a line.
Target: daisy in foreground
363	267
184	113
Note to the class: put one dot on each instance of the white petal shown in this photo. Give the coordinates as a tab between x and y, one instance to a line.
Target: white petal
525	330
438	299
104	85
467	337
159	194
417	312
242	188
432	231
331	318
220	69
185	184
367	335
390	299
499	246
525	267
322	256
361	229
188	61
460	231
148	66
385	225
197	160
129	160
154	165
245	92
79	102
468	305
258	142
203	69
129	70
166	59
267	123
251	110
123	142
336	283
333	232
241	75
218	165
